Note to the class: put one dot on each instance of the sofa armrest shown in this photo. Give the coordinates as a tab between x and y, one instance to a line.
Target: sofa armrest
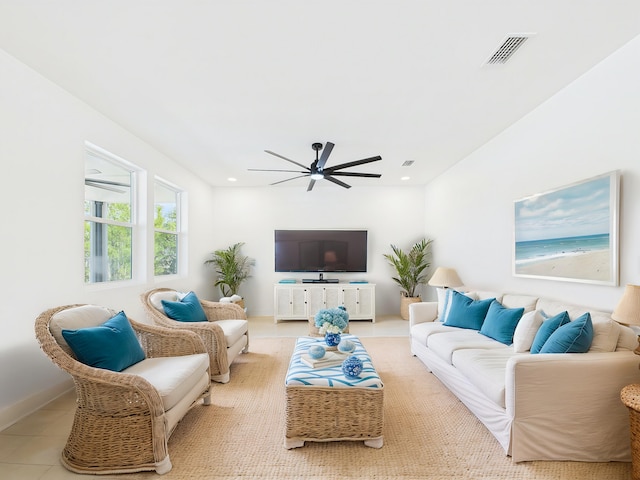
421	312
571	400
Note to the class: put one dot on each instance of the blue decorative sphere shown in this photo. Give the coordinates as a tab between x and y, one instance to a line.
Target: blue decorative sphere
316	351
332	339
352	367
346	346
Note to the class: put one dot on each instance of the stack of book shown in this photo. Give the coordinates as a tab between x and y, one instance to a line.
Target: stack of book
330	359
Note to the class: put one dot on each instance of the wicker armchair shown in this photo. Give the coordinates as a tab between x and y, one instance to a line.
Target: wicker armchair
225	335
630	396
120	423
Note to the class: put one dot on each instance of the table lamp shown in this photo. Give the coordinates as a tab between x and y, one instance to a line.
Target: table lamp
446	278
628	310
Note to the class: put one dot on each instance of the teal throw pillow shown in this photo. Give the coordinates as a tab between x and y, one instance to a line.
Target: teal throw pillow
466	312
112	345
546	329
573	337
188	309
501	322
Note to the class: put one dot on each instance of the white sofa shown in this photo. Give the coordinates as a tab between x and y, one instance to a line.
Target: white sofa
552	406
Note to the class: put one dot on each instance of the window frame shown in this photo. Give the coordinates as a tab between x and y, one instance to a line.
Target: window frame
136	198
179	231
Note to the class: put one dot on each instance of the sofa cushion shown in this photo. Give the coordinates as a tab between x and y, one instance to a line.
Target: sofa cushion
444	301
628	339
467	313
172	377
526	331
511	300
187	309
549	326
112	345
605	335
501	322
485	369
233	329
422	331
573	337
446	343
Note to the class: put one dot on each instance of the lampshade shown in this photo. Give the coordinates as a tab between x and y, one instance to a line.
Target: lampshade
445	277
628	310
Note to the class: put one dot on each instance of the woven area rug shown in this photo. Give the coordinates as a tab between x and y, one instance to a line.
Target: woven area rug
428	433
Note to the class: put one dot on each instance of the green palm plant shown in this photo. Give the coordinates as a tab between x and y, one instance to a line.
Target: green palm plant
410	266
232	268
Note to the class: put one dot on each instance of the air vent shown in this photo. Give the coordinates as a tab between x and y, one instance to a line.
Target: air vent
509	46
407	163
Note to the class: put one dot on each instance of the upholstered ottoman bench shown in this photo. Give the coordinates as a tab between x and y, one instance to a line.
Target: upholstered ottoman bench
323	405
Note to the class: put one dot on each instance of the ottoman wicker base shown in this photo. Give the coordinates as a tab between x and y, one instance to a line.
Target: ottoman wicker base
322	406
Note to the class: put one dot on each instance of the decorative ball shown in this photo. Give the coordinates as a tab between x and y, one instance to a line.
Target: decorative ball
352	367
316	351
346	346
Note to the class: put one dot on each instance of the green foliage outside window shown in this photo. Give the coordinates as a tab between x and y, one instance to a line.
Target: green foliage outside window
165	240
117	241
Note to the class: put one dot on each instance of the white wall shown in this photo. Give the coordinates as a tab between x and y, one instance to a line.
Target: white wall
393	215
589	128
42	135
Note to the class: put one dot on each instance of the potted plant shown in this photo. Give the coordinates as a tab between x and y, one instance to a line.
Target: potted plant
410	269
232	269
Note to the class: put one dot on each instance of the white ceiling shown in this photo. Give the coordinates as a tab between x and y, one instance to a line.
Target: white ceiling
213	84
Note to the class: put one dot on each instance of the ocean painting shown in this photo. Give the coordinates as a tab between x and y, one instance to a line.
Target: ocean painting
569	233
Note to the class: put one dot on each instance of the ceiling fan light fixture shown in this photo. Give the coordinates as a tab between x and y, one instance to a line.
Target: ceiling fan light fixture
317	171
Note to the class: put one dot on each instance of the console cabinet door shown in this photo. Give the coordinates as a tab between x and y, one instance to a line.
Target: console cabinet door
315	299
283	303
290	302
366	303
359	301
332	297
299	299
350	300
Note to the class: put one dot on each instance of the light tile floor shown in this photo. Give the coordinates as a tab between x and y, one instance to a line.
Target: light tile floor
30	449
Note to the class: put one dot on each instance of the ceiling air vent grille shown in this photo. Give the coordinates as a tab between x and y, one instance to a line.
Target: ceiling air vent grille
507	49
407	163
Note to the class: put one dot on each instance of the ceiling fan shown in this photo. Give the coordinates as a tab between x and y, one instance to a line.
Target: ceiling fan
102	183
318	171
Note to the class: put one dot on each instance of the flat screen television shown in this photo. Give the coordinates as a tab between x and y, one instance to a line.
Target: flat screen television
321	250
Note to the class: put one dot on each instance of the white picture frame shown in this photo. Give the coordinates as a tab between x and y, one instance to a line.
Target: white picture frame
569	233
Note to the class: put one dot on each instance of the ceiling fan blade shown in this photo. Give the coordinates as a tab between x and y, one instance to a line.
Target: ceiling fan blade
89	183
288	179
356	174
336	181
271	170
106	182
353	164
312	182
285	158
326	151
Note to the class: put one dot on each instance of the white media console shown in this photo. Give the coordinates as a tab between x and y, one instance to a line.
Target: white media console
299	301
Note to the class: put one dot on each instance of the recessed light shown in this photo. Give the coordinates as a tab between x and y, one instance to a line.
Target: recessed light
405	178
232	179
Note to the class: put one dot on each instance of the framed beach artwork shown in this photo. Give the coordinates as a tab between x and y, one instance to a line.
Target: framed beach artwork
570	233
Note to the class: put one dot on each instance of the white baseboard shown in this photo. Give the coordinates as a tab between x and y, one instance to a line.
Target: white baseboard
17	411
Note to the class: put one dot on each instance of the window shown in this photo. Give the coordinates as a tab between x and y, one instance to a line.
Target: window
109	217
166	225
